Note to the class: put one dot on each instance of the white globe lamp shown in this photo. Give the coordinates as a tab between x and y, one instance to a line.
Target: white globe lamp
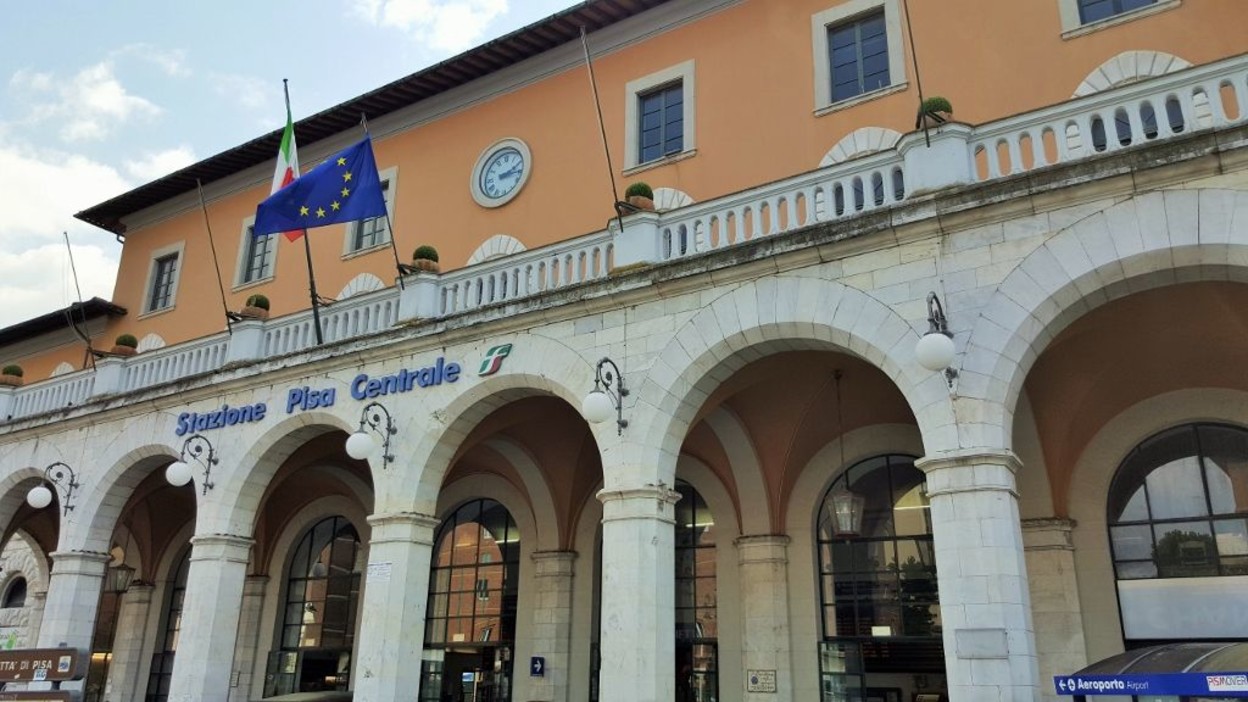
934	351
178	473
597	407
360	445
39	497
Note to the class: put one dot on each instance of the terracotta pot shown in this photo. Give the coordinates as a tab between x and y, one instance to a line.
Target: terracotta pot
15	381
425	264
123	350
932	120
641	202
254	312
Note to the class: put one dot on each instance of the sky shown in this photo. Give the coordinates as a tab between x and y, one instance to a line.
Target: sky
97	98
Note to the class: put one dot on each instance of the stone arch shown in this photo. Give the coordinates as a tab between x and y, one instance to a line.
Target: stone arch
360	284
1129	67
1152	240
13	489
1089	490
538	366
863	141
232	506
537	492
781	314
496	246
94	519
747	470
150	342
61	369
670	199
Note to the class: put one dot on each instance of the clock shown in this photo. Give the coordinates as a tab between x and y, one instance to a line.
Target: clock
502	170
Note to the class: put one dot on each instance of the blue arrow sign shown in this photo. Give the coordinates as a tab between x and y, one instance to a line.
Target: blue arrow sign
537	667
1203	684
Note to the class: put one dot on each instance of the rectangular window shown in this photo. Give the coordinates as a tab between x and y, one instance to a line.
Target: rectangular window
1097	10
164	276
257	256
858	56
662	125
371	232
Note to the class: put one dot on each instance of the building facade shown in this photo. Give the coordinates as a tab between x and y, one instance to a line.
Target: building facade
774	500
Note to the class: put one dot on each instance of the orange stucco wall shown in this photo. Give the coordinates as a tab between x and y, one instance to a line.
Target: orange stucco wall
755	123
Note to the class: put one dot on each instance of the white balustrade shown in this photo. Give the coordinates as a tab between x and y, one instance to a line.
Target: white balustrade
56	393
171	363
343	319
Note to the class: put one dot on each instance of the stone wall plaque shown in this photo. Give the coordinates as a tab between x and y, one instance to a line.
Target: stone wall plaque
760	681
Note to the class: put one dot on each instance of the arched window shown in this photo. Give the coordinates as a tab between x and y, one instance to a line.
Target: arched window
697	624
877	585
161	673
1178	509
470	622
318	620
15	595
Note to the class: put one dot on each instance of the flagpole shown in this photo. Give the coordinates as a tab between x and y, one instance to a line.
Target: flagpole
229	325
394	249
316	305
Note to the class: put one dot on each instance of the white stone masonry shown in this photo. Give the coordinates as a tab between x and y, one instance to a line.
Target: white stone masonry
123	670
552	624
249	624
765	613
73	601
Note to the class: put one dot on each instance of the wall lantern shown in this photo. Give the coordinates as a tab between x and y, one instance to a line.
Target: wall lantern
119	577
935	349
847	510
374	418
57	475
607	398
196	448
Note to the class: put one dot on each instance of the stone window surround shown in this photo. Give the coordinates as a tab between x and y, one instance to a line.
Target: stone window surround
634	89
819	24
1072	27
390	178
241	269
177	249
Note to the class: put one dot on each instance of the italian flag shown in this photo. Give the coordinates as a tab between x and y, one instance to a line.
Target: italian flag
287	164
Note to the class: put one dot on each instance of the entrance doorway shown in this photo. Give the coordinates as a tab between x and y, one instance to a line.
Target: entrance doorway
476	675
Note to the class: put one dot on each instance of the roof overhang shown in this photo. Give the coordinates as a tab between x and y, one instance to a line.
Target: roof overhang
79	312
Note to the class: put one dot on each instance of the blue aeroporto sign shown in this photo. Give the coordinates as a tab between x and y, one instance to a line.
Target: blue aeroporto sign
1167	684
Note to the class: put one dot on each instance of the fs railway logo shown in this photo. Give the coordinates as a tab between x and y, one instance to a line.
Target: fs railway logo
493	360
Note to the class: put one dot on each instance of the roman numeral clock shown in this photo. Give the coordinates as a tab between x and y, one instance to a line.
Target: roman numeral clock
501	171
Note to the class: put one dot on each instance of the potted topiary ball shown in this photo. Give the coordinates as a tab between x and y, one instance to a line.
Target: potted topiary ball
640	195
125	345
256	307
11	375
933	112
425	258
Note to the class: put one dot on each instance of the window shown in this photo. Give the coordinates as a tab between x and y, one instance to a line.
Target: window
258	255
1097	10
318	621
161	673
15	596
370	233
164	278
474	586
877	582
659	116
697	618
857	51
662	122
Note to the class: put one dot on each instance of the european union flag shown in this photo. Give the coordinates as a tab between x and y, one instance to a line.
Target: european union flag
345	188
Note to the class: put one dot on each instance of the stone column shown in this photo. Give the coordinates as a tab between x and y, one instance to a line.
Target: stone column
72	603
638	630
249	624
34	623
552	624
985	608
396	592
128	640
765	613
210	618
1055	604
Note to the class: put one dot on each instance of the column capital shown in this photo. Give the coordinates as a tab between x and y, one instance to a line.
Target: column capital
1048	534
965	458
138	593
645	502
553	563
762	548
221	547
79	562
970	470
402	527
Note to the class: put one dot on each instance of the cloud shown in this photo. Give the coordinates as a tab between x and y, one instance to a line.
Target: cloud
445	25
248	91
171	61
92	103
155	164
40	280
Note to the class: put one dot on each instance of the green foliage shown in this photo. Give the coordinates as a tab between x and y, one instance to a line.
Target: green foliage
426	253
127	340
935	104
639	189
1185	554
258	300
13	370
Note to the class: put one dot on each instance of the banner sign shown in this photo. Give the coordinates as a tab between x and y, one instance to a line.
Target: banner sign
37	664
1167	684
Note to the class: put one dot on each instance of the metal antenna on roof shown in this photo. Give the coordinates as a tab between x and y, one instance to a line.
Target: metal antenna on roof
602	128
69	311
914	58
389	225
203	206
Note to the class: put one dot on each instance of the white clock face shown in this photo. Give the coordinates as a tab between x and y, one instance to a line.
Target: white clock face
503	173
500	174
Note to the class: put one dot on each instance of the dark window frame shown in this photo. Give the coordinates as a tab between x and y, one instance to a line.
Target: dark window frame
373	232
160	675
1093	11
665	136
164	280
258	255
863	83
691	550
